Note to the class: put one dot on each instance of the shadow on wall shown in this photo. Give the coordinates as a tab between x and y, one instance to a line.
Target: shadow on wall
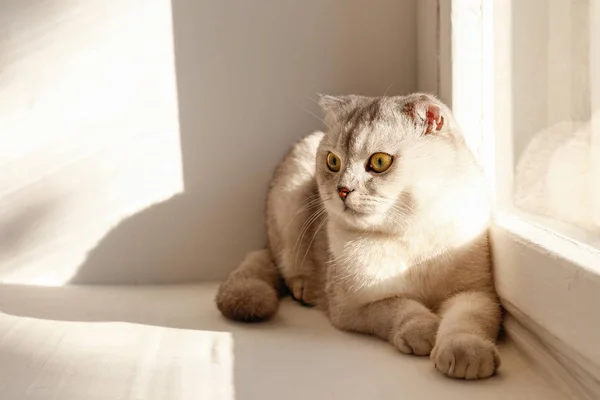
189	237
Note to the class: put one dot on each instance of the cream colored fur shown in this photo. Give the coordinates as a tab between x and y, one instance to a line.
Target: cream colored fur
405	257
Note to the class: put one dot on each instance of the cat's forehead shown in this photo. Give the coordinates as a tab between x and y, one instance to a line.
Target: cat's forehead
377	125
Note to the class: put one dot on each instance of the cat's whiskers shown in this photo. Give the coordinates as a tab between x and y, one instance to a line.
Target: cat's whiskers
401	214
311	204
307	224
388	89
316	116
334	115
313	239
311	198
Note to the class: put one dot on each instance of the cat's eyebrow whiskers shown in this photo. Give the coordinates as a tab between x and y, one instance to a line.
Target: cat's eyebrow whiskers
337	120
388	89
317	117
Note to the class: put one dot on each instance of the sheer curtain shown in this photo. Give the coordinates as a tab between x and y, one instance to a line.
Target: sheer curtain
556	126
595	97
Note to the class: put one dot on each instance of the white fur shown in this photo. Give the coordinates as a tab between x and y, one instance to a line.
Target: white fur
402	252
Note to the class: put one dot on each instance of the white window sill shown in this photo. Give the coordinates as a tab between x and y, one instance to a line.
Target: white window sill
172	343
551	286
578	247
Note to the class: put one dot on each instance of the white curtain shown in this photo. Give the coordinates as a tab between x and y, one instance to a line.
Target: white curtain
557	137
595	100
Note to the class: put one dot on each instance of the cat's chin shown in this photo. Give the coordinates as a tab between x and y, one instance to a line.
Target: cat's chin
355	218
359	219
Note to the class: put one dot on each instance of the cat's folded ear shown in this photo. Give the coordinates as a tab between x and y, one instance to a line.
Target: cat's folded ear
334	105
426	112
339	106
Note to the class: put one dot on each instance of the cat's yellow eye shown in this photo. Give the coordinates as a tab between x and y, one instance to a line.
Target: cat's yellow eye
380	162
333	162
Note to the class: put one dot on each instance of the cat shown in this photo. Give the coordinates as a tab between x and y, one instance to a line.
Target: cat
381	222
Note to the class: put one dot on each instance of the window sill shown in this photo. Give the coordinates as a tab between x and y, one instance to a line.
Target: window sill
172	343
551	286
577	247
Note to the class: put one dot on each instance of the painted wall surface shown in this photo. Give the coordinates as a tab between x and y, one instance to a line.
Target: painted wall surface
137	137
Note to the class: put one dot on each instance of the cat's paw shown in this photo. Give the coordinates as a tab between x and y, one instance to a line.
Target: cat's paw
302	290
248	300
465	356
417	335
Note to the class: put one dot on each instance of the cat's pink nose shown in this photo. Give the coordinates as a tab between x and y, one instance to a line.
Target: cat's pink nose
343	192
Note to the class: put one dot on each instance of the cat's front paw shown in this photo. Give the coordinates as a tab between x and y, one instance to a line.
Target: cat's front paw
417	335
466	356
302	290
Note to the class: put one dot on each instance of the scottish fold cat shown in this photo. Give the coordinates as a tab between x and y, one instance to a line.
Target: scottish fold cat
381	221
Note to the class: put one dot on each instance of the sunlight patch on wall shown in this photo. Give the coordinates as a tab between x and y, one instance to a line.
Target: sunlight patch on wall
89	130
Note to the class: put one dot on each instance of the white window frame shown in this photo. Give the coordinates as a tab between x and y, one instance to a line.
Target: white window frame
548	283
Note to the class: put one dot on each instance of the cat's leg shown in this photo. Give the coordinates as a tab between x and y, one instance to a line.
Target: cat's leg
294	212
465	341
302	239
415	328
300	278
407	324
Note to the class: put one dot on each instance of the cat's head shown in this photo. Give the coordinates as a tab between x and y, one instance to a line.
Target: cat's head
380	155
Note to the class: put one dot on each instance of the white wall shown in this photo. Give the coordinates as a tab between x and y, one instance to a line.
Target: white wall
88	127
101	122
434	47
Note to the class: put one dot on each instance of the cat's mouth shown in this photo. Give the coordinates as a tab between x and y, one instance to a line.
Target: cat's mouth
352	211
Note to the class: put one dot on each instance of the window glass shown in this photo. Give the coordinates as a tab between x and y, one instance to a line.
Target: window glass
555	97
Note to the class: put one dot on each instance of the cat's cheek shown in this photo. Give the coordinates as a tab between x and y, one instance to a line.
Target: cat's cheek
392	185
334	207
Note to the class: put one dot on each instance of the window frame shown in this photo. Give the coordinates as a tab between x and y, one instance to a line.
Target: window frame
548	283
